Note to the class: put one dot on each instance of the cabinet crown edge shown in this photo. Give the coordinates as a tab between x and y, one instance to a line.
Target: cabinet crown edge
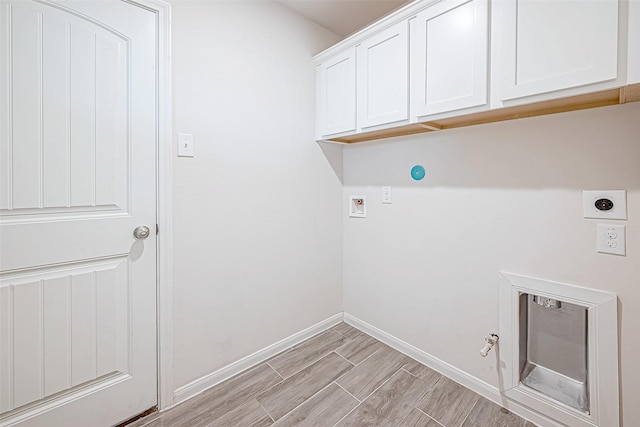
405	12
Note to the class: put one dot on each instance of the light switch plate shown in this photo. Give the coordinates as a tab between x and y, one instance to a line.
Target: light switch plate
611	239
386	195
618	197
185	145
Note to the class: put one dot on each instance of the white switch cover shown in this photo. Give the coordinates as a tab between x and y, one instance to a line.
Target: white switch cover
185	145
611	239
386	195
618	197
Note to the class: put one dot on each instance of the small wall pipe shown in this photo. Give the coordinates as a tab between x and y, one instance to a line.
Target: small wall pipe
491	340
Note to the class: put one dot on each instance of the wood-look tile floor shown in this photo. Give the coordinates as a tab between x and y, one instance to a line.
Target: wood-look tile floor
340	377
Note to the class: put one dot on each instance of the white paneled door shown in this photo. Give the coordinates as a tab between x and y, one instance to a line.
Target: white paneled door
77	176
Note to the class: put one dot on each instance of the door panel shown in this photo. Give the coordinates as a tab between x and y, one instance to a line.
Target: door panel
72	327
77	175
72	154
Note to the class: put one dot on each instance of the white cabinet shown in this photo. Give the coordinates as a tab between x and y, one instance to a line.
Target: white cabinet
437	64
336	94
633	43
383	77
449	51
551	45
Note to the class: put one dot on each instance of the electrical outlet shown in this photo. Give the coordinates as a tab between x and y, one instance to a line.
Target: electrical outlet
611	239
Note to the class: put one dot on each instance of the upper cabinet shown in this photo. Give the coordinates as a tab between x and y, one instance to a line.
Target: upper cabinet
633	40
383	77
554	45
336	94
434	65
449	51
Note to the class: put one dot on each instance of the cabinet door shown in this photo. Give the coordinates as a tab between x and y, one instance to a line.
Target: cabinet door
383	77
633	43
550	45
336	92
449	57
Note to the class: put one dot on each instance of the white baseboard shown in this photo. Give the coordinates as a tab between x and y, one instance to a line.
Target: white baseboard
469	381
197	386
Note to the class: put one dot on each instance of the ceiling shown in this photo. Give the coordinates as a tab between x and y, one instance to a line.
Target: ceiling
343	17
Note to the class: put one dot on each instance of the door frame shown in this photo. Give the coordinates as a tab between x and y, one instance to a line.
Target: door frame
164	260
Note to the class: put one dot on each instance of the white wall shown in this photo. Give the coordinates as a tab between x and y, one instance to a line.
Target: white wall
257	225
497	197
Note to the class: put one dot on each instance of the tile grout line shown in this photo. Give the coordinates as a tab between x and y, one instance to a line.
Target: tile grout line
274	370
430	417
421	379
379	387
304	367
360	350
347	391
347	360
265	410
367	358
310	363
348	413
305	401
428	393
470	411
310	397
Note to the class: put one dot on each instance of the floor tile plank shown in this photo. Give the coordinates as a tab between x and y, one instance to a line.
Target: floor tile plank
304	354
359	348
395	389
448	402
249	414
488	414
426	374
390	403
324	409
295	390
418	419
365	378
347	330
223	398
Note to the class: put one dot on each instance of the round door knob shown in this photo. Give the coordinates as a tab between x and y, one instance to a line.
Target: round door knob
141	232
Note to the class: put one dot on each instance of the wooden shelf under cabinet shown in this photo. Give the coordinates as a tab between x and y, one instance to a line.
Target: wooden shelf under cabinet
625	94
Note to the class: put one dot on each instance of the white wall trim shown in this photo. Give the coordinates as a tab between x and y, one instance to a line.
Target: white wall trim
602	346
164	295
482	388
165	215
199	385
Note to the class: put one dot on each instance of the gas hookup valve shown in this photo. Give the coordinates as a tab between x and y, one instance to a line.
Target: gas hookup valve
491	340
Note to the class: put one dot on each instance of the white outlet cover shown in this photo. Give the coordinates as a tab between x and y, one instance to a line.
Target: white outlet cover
618	197
608	245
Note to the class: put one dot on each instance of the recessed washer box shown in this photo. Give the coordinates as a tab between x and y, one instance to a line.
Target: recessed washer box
617	197
357	206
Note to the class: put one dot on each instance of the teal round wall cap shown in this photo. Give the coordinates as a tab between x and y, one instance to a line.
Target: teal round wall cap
417	172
